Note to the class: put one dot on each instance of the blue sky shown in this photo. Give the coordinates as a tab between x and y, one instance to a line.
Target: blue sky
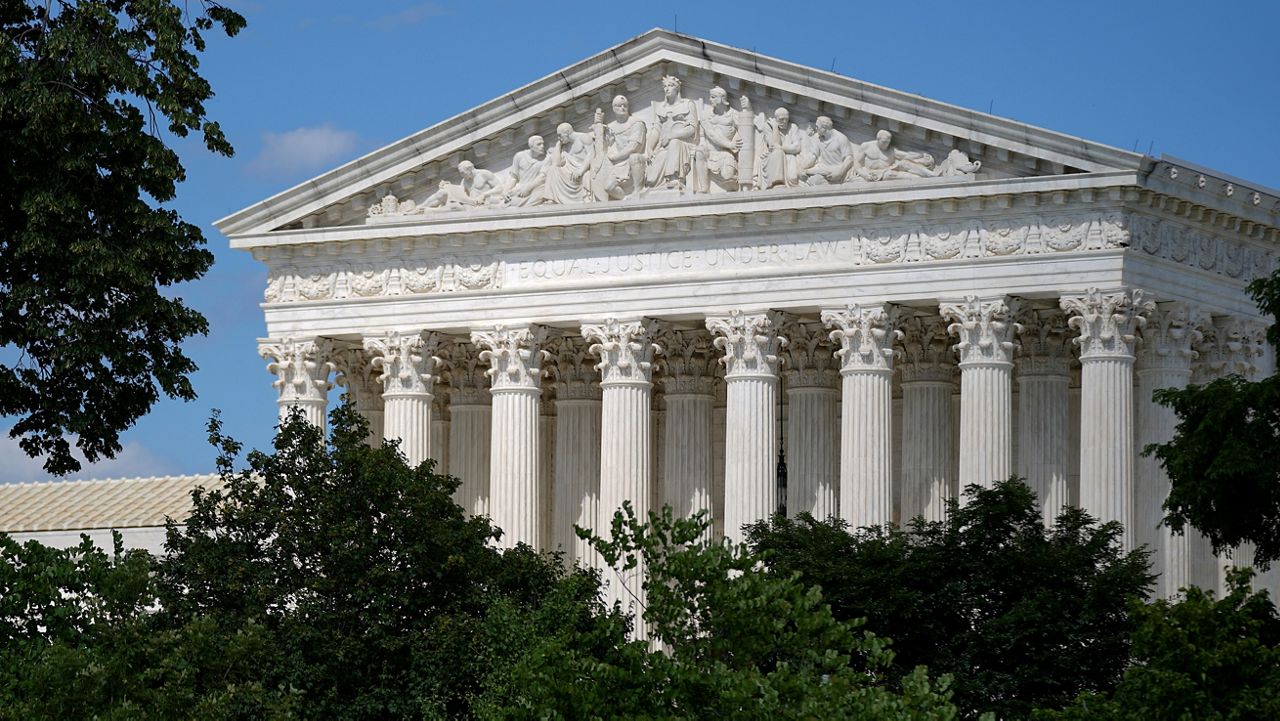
312	84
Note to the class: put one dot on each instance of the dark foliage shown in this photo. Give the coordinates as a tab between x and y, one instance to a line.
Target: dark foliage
85	245
1019	616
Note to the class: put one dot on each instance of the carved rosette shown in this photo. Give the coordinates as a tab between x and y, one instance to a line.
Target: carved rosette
625	348
926	350
1107	322
1169	338
515	356
1045	341
750	342
573	368
301	368
866	335
690	361
1229	345
406	363
466	375
810	355
985	329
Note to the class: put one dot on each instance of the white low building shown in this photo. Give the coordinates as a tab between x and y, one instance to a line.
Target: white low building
649	275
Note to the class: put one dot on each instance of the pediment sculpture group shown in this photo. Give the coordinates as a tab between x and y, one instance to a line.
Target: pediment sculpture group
687	146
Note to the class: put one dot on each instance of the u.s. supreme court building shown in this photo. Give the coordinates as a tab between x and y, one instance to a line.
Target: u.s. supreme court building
653	275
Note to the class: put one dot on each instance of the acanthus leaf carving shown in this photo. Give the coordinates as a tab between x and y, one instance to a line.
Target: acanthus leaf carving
866	335
1107	322
301	367
926	350
810	355
573	369
985	328
1229	345
751	342
406	363
1171	335
626	349
515	355
1045	341
689	359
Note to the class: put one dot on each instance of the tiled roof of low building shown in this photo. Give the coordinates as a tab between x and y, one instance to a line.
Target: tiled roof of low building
115	503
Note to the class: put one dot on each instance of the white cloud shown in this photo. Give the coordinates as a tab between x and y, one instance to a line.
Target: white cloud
303	149
134	459
409	16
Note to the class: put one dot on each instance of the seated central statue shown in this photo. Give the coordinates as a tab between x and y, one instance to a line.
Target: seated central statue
673	140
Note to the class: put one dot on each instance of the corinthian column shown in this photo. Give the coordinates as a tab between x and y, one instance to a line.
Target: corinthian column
928	383
626	351
689	387
812	440
515	380
1044	381
750	343
356	374
1164	361
407	371
577	449
1107	323
1229	346
986	332
302	369
470	427
865	335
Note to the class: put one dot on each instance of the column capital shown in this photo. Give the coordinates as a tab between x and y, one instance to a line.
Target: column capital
926	351
573	368
810	355
1108	321
751	343
626	350
406	362
355	373
1045	342
465	374
515	356
689	360
866	334
985	329
301	367
1229	344
1169	338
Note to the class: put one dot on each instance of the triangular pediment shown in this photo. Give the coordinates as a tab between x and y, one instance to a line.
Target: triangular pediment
672	145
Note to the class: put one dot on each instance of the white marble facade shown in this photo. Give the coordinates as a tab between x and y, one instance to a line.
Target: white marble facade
667	267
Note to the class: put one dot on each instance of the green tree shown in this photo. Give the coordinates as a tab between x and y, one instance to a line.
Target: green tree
1224	458
1019	615
736	642
85	246
1195	659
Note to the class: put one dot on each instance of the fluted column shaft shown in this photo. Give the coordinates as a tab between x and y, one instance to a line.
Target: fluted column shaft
813	459
1043	420
1106	440
470	432
750	343
515	501
577	475
1185	559
440	440
1107	323
926	448
515	488
750	451
686	452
